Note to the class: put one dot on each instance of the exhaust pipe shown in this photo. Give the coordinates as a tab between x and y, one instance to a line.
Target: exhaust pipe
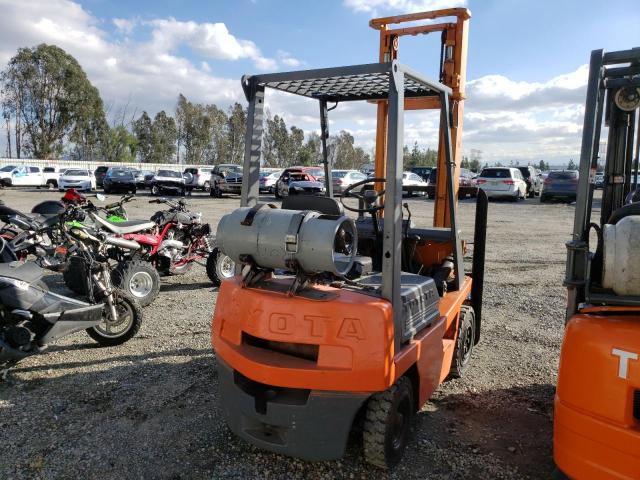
122	243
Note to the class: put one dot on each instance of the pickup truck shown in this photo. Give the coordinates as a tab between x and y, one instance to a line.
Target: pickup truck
225	178
28	176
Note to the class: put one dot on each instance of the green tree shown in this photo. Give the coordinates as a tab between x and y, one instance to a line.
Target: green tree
163	138
50	97
118	145
142	131
311	151
345	154
543	166
193	130
218	148
236	132
88	130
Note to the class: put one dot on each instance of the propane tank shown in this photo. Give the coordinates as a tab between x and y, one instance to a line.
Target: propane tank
282	239
621	256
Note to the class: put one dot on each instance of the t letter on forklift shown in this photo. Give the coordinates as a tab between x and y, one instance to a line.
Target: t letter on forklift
623	365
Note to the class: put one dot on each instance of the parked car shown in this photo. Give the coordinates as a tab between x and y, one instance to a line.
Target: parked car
119	180
599	180
139	177
301	183
466	183
219	173
502	182
283	182
560	184
200	178
99	173
22	176
168	181
413	183
77	178
424	172
148	178
268	180
533	180
343	179
143	177
368	170
50	177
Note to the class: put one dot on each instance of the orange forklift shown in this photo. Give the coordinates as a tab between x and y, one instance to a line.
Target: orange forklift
597	402
331	320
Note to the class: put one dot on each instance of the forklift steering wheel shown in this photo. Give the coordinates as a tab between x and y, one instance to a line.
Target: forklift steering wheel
368	197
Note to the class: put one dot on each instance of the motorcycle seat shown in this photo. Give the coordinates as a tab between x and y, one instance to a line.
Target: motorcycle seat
27	272
122	228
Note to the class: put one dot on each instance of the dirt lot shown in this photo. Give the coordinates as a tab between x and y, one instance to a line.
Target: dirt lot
148	408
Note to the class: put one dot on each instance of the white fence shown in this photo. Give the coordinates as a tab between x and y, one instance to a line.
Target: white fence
63	164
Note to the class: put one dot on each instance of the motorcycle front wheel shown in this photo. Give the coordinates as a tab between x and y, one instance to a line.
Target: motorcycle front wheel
111	332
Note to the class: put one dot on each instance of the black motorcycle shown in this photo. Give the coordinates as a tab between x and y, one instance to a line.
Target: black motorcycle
31	316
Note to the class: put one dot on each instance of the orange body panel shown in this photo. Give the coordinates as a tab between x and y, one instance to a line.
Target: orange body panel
354	333
595	432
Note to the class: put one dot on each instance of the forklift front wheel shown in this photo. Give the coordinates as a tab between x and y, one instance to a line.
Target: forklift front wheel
464	342
387	424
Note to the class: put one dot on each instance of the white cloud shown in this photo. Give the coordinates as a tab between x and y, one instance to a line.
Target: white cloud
285	58
125	25
404	6
212	40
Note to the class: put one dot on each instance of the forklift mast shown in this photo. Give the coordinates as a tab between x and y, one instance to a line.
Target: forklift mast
453	67
613	94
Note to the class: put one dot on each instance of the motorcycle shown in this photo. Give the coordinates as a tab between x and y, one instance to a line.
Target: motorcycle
31	316
179	240
132	273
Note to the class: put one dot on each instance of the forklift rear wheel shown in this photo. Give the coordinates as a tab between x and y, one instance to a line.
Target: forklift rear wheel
387	424
464	343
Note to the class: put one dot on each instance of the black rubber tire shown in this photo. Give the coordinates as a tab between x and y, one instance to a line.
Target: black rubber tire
386	413
155	190
214	264
464	342
52	184
543	198
277	191
206	187
531	193
75	275
133	306
183	191
106	190
124	272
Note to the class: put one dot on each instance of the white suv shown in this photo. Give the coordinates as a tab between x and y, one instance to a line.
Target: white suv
200	178
502	182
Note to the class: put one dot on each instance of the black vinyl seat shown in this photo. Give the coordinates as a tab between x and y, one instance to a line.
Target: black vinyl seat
324	205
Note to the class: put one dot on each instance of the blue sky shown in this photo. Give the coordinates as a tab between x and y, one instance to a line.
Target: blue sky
526	58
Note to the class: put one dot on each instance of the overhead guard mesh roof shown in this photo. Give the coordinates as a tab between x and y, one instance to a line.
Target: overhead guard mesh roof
358	82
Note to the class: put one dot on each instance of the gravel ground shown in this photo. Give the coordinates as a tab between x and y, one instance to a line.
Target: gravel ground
148	408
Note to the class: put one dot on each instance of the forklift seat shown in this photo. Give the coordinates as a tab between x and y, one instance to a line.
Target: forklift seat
434	234
324	205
